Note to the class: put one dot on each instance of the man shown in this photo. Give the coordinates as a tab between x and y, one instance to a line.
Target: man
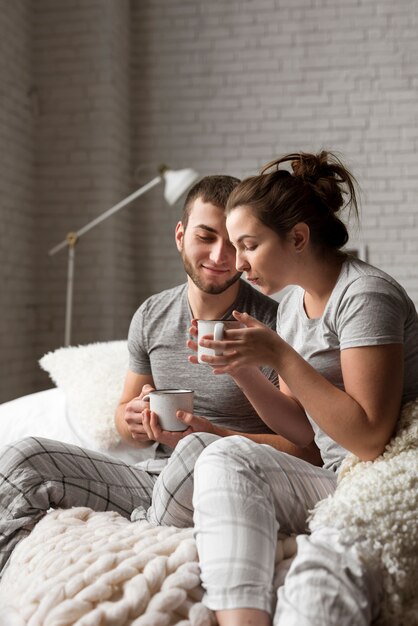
37	474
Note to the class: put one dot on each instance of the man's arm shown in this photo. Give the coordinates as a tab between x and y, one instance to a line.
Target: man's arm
128	417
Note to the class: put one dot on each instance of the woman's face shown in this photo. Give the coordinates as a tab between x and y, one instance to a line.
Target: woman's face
266	258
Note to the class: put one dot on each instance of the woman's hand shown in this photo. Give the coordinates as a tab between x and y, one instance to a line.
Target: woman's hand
171	438
254	345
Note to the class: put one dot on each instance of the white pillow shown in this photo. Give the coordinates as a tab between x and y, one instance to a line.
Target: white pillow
91	377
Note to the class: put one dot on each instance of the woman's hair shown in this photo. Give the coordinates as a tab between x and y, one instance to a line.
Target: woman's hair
313	192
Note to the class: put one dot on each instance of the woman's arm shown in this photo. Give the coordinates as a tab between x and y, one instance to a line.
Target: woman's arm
361	417
279	411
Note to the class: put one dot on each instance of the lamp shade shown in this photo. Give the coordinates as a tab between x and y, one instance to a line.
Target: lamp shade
177	182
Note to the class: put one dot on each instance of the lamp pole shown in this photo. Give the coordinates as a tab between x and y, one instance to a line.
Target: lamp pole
177	182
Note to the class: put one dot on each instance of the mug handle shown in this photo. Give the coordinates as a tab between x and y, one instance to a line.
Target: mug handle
218	335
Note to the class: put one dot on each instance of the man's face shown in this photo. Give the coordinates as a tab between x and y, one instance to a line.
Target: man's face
208	255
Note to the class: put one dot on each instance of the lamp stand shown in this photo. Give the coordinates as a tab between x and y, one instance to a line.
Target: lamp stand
176	183
71	240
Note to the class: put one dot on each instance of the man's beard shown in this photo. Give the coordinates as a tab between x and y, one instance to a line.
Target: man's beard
201	284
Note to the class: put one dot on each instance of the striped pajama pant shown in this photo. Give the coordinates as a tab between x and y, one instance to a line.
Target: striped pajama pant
243	494
38	474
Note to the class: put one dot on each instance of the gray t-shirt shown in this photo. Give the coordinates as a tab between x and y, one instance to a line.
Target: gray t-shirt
366	308
157	346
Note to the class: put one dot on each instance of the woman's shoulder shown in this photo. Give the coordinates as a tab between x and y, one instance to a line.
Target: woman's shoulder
359	273
363	281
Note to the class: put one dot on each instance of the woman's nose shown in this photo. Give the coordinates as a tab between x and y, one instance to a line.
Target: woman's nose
241	263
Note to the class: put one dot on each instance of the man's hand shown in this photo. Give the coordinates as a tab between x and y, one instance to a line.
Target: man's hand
192	344
170	438
134	415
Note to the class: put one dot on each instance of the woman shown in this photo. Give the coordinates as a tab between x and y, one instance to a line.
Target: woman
346	352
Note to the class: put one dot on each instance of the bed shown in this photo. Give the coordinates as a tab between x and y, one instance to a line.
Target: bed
88	568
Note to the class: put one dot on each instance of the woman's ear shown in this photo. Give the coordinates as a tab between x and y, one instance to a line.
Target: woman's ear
300	236
179	236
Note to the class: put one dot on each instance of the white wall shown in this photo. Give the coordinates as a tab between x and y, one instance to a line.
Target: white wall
227	86
115	87
18	300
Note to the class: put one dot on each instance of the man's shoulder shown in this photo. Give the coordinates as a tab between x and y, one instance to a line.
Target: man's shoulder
163	299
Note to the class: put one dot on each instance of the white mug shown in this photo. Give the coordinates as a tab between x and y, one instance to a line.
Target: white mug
166	402
215	328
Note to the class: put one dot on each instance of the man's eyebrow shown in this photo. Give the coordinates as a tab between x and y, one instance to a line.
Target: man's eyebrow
208	228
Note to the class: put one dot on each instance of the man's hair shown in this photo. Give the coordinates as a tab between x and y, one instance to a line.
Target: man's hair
214	189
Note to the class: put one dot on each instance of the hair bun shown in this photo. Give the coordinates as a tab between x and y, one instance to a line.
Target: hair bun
311	167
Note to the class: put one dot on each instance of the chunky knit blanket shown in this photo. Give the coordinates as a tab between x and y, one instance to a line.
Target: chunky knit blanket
79	567
376	506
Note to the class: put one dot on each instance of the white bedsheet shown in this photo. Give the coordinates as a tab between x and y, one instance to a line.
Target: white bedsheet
44	414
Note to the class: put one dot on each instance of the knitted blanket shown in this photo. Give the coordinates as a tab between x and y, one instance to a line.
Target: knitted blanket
376	505
79	567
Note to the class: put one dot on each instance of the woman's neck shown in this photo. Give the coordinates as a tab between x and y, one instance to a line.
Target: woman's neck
322	277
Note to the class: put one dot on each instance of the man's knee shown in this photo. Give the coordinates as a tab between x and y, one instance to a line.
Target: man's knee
19	454
194	444
227	451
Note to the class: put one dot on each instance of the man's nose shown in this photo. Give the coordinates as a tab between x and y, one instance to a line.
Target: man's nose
218	252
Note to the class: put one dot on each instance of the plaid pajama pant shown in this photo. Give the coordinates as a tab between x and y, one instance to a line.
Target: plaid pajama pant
243	494
38	474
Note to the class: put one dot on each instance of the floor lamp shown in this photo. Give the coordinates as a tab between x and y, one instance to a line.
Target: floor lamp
176	182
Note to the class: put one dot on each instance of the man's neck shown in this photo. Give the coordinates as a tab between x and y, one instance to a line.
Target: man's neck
209	306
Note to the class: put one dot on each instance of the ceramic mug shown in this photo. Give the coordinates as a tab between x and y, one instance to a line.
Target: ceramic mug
166	402
215	328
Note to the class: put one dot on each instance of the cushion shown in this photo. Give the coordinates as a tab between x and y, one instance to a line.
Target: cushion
92	377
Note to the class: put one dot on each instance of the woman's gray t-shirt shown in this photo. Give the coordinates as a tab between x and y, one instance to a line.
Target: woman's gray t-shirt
366	308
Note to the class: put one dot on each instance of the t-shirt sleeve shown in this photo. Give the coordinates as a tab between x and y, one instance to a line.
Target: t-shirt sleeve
371	312
139	361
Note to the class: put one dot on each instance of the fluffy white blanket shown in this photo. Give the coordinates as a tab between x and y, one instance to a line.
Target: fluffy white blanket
376	505
83	568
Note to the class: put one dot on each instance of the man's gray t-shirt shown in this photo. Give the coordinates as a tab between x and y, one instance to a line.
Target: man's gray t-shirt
157	346
366	308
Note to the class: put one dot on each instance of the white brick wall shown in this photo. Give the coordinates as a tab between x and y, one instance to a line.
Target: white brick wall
17	241
228	85
82	56
220	86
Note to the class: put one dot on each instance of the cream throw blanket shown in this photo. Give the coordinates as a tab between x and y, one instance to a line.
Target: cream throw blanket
83	568
376	506
80	567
